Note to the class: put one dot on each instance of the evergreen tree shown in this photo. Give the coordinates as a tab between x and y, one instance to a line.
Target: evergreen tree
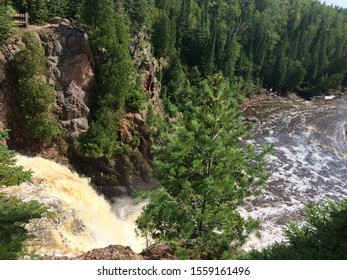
6	23
174	87
164	36
206	172
141	13
35	96
10	174
116	78
58	8
38	11
14	214
322	235
296	75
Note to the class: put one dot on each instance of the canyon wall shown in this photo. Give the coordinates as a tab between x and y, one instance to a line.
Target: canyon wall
71	70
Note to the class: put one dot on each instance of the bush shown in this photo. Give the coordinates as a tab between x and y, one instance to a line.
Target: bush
322	235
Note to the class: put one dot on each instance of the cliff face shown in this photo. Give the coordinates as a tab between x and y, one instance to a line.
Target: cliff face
71	71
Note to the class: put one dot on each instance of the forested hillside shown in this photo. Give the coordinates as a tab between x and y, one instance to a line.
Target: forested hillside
287	45
290	45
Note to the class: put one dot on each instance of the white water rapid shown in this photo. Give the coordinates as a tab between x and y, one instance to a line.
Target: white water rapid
309	163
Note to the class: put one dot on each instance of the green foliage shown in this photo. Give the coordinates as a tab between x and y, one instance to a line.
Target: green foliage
321	236
296	75
35	96
164	36
38	11
116	79
136	100
141	13
284	44
206	173
10	174
6	24
175	87
14	214
58	8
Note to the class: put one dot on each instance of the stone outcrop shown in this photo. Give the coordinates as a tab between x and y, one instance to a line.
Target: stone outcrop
119	176
112	252
157	251
70	71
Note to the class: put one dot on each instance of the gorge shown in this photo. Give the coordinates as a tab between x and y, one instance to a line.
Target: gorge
117	78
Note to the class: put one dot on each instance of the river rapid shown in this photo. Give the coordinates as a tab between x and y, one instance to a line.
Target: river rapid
309	161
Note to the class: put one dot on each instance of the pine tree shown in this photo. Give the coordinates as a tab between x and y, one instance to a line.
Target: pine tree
14	213
206	172
10	174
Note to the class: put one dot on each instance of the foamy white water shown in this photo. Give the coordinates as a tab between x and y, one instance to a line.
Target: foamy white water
310	161
84	220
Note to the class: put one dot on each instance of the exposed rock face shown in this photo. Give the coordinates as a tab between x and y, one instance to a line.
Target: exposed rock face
148	66
158	251
112	252
70	70
119	176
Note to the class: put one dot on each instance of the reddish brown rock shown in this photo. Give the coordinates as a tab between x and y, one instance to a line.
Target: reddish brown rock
159	251
112	252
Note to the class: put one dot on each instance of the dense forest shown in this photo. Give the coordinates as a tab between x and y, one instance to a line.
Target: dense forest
287	45
213	53
291	45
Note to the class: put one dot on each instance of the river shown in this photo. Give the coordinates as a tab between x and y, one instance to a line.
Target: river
309	161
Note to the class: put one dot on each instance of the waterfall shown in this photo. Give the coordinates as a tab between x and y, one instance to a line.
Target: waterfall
80	219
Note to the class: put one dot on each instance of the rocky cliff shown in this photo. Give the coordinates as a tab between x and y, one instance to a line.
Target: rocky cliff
71	71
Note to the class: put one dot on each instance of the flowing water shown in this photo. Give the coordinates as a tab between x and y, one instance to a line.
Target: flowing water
309	161
309	164
83	220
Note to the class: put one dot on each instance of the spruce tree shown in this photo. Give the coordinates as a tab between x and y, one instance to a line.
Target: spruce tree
206	171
